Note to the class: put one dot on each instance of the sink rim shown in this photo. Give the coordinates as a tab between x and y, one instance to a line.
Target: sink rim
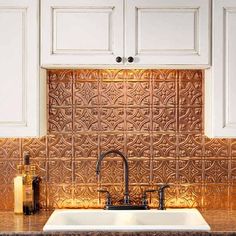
201	227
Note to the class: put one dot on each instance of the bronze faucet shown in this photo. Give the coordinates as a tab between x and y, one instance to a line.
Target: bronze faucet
126	171
126	201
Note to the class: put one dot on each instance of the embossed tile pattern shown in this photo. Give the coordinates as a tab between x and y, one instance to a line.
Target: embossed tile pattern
155	117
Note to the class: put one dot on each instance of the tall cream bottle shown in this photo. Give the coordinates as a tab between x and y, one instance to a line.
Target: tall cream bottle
18	191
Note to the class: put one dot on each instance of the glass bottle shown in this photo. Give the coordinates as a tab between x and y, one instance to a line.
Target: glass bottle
18	191
35	184
28	193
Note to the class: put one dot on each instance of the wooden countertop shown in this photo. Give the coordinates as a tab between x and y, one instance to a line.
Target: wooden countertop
222	222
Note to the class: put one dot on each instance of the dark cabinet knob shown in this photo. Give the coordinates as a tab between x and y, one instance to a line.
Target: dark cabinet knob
118	59
130	59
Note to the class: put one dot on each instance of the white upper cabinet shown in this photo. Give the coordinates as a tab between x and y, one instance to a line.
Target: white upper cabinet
140	32
168	31
19	56
221	82
81	31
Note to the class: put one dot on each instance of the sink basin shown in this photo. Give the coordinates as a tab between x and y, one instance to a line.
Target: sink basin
126	220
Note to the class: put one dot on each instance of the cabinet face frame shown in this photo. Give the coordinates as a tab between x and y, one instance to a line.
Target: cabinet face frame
61	49
220	118
22	105
141	12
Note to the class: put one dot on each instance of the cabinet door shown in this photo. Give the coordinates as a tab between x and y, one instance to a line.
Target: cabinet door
80	32
221	86
19	57
168	31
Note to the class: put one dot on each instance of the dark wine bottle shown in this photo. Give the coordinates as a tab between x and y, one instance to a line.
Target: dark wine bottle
36	189
28	193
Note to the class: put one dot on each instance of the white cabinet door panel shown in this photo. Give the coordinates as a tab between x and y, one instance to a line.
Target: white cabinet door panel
221	122
167	31
90	37
19	57
82	32
12	67
230	70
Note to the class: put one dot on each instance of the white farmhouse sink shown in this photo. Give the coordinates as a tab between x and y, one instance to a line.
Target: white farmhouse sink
126	220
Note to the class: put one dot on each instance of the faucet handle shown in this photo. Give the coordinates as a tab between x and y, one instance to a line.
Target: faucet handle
144	200
161	194
108	196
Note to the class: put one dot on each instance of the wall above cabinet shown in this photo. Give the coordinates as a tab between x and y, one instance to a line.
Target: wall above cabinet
133	33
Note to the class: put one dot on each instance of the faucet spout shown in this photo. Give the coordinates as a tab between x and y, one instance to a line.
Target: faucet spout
126	170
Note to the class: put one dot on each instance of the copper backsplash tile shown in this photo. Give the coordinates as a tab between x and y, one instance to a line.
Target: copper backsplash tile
154	116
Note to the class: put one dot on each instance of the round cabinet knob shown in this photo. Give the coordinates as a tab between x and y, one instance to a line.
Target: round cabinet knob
119	59
130	59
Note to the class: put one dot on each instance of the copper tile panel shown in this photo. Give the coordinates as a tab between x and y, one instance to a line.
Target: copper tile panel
82	170
136	193
164	171
190	119
60	196
164	93
85	197
60	94
140	171
216	196
138	145
6	196
85	94
233	171
154	116
8	170
164	119
164	145
10	148
112	141
111	171
86	119
112	119
36	147
138	93
190	145
190	196
138	119
190	75
217	148
60	119
233	148
85	145
60	76
60	171
190	93
190	171
216	171
112	94
60	145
